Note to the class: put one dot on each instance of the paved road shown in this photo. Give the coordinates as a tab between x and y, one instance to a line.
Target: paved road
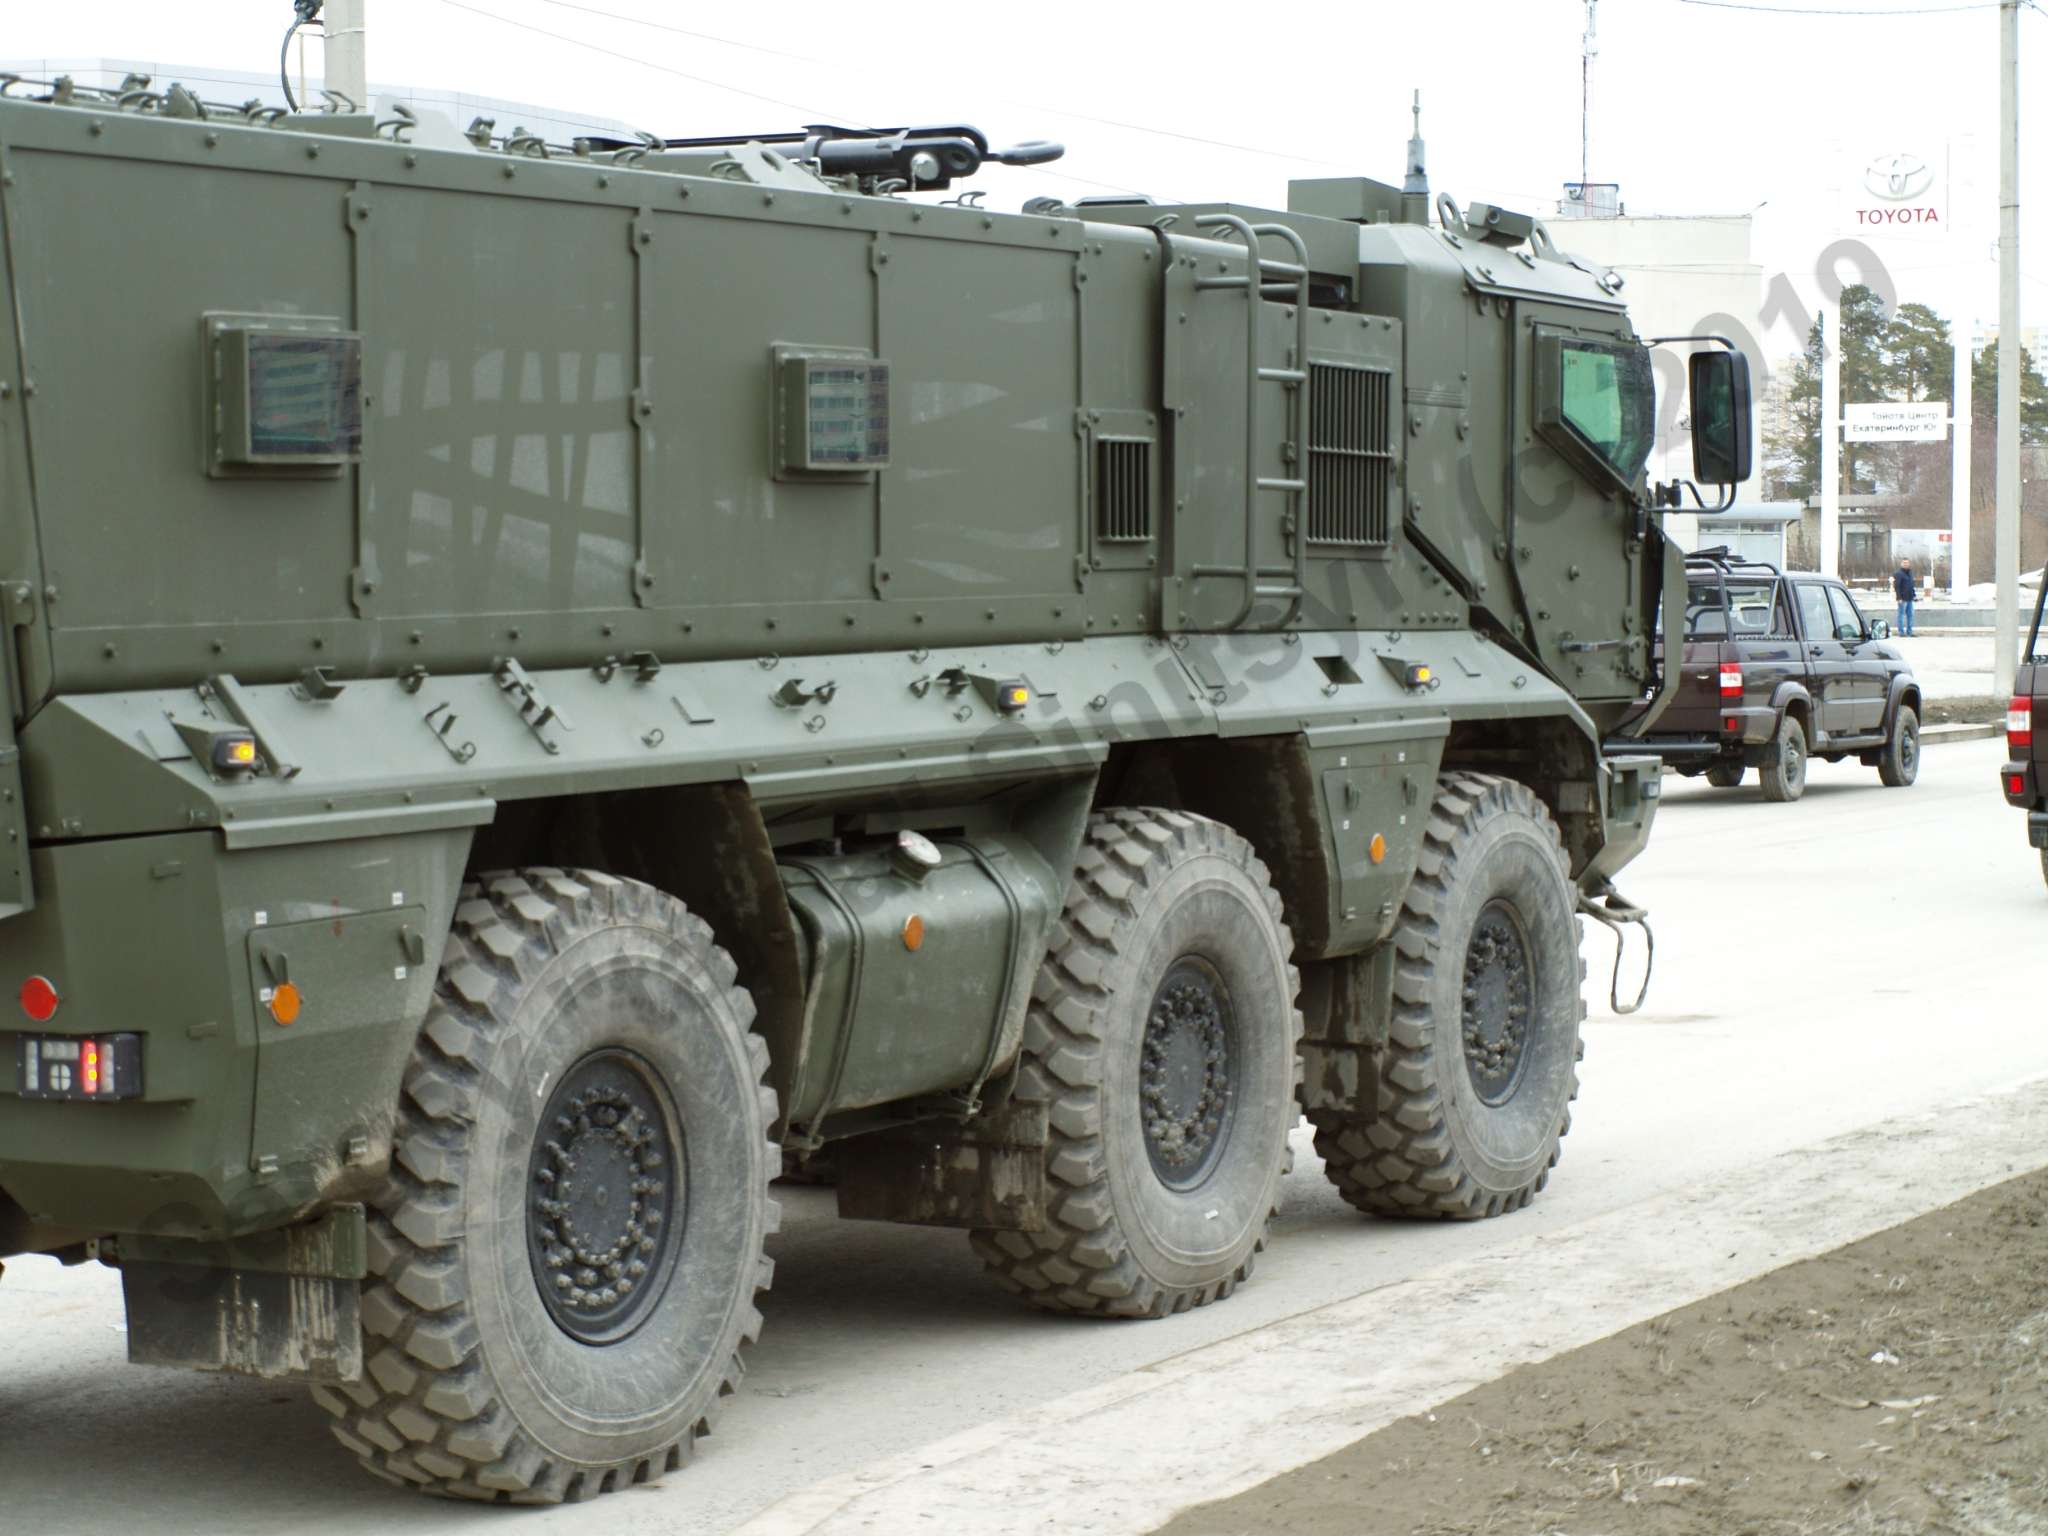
1858	956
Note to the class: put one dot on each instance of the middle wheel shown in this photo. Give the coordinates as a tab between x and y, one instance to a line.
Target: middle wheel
1162	1038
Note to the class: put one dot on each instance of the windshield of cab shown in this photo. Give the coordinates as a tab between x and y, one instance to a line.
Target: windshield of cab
1608	399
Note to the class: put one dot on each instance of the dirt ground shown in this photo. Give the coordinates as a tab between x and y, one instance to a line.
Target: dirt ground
1899	1385
1975	710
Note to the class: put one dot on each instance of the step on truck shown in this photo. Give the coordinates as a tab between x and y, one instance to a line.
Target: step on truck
1777	668
545	679
2024	778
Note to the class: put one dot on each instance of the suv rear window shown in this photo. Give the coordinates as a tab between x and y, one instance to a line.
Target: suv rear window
1754	608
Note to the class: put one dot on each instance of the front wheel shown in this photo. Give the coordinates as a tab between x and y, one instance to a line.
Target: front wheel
1472	1092
1784	766
1899	764
564	1258
1161	1039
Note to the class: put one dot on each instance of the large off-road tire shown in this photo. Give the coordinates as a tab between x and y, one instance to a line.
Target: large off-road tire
1473	1090
1162	1036
1725	775
1784	767
2044	866
1899	764
565	1256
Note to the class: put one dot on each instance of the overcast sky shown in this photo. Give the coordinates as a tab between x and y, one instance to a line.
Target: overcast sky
1698	108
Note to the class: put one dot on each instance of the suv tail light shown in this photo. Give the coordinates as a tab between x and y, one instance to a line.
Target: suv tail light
2019	723
1731	681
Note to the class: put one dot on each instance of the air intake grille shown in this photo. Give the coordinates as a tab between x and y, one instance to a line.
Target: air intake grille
1123	490
1350	454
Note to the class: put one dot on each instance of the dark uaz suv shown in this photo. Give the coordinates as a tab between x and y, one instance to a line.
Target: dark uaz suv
1780	666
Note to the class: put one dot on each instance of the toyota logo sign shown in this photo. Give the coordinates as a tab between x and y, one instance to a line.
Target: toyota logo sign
1898	178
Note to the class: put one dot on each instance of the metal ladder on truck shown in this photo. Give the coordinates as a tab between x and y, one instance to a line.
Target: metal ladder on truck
1292	281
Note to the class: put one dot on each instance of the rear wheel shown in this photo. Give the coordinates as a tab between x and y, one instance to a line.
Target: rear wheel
564	1259
1899	764
1472	1093
1725	775
1784	767
1162	1040
2044	865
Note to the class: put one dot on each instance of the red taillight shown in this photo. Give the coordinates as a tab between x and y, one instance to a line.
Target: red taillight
89	1065
2015	783
1731	680
2019	723
39	999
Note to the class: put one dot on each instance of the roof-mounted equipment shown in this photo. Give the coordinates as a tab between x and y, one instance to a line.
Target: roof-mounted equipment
884	159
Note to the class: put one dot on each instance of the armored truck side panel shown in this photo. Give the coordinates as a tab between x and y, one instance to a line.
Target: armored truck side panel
545	681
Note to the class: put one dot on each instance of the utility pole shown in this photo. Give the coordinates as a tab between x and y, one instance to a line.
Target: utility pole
348	70
1830	444
1961	330
2006	543
1592	52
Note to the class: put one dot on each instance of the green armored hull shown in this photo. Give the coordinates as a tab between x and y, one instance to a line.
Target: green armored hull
542	676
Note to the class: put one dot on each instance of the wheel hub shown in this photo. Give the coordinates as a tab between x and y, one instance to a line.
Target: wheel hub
1185	1072
1498	994
604	1191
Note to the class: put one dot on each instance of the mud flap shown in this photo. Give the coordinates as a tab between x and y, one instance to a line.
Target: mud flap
285	1306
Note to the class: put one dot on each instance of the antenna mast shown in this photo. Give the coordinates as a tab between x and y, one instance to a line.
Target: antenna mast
1415	190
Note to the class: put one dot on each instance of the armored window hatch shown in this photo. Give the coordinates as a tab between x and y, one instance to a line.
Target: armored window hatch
1350	455
283	396
832	413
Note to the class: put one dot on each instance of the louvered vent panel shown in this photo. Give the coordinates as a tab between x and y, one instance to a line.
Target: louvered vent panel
1350	454
1123	490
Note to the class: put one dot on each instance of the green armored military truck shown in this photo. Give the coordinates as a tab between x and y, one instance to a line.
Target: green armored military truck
545	679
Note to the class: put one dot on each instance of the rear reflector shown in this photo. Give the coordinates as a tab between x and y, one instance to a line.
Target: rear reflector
78	1067
39	999
2015	783
2019	723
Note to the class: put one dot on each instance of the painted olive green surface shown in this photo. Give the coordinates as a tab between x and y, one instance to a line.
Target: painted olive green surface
574	560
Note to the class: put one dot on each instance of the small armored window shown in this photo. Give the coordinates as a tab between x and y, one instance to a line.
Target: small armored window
832	413
1123	490
284	396
1350	454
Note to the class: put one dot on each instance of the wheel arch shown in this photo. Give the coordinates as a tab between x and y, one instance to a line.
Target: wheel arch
705	844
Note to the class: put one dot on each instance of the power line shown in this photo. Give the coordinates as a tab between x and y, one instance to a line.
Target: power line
1081	117
613	53
1817	11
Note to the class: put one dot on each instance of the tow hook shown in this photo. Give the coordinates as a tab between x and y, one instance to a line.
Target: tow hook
1613	911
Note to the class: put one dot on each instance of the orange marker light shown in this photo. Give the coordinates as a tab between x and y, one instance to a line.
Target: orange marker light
1376	850
913	932
285	1003
234	754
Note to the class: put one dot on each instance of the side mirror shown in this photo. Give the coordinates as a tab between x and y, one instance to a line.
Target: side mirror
1880	629
1721	448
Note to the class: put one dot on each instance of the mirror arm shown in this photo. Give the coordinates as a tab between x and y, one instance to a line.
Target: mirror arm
1672	496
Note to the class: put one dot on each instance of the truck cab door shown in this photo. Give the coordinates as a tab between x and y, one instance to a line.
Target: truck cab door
1869	678
1827	662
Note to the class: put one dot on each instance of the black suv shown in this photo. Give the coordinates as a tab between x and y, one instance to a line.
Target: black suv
1779	666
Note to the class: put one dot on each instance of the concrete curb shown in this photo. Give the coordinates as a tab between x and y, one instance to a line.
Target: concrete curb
1129	1454
1935	735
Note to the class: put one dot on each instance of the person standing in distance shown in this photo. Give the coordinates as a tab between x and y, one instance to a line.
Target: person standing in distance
1904	590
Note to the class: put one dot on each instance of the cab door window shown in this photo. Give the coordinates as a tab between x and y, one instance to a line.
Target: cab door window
1815	614
1849	623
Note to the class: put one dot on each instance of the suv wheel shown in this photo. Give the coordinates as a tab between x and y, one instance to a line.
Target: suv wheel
1899	764
1784	766
1725	775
